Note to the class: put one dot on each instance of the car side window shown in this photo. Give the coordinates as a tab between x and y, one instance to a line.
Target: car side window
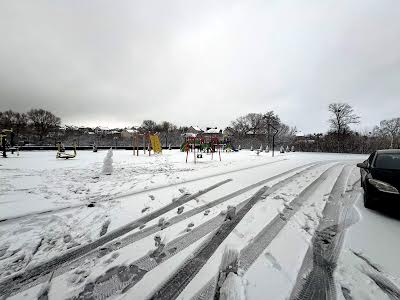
370	159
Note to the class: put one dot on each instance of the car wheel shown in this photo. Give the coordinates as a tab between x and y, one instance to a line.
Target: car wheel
368	203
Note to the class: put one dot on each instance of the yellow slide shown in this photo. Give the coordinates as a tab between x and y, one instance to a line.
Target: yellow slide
155	143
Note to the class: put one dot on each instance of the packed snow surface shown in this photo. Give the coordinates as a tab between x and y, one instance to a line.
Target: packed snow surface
128	231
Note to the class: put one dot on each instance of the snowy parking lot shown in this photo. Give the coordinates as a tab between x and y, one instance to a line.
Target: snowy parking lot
160	228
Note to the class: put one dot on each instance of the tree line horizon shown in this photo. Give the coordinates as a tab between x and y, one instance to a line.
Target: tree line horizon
259	126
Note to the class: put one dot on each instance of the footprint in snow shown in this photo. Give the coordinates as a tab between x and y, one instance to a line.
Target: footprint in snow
272	260
111	259
279	197
191	224
287	206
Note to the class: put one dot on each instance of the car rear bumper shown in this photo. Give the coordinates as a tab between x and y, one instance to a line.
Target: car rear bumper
381	197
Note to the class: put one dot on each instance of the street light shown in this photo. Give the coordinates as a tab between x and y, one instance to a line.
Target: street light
337	111
273	136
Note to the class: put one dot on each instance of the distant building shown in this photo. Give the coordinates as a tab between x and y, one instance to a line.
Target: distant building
302	138
128	133
213	130
228	132
84	130
101	130
194	130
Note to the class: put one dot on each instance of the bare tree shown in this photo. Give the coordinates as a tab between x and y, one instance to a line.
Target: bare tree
270	118
256	122
13	120
10	119
149	125
240	126
167	128
43	121
390	128
342	117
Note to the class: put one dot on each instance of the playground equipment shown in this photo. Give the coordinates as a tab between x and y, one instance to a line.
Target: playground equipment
62	154
5	145
201	144
155	143
149	141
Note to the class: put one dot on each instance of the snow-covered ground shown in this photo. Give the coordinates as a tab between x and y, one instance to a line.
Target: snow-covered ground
135	233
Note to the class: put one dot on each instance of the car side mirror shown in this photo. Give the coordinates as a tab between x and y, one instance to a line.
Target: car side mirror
362	165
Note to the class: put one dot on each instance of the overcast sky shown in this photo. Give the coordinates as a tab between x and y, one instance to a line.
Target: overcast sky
115	63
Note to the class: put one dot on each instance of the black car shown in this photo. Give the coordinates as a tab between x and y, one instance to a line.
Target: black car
380	178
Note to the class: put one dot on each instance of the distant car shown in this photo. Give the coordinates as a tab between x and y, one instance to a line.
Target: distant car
380	178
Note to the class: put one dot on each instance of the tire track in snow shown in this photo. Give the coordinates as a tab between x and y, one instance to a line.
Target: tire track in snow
315	279
386	285
14	284
99	200
112	282
175	285
376	274
252	251
40	273
261	241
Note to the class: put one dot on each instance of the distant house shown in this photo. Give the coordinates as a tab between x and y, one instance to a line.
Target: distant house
228	132
72	128
194	130
101	130
128	133
213	130
302	138
84	130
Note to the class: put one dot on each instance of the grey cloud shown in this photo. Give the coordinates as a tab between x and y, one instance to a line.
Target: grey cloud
200	62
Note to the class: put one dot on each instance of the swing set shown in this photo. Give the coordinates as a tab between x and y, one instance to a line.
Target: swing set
209	144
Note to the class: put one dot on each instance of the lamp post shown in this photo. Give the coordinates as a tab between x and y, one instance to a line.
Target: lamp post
337	111
273	136
317	136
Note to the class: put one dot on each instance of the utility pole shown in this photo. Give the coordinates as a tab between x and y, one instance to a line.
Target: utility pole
273	136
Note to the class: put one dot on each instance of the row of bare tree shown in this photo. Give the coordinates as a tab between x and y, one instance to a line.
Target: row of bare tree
258	128
249	130
340	137
40	120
